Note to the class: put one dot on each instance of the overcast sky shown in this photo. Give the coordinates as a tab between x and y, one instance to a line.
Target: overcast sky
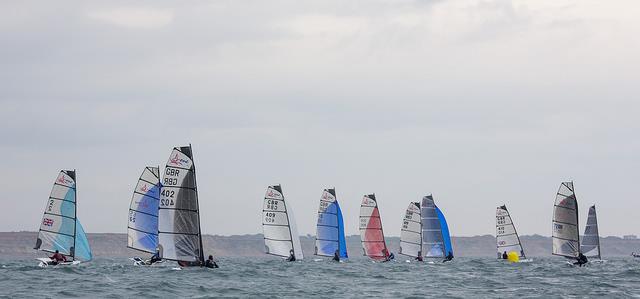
478	102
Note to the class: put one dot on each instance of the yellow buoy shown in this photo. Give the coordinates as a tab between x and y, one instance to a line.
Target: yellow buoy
513	257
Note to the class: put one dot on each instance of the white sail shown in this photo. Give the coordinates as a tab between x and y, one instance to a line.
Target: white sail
565	235
179	234
591	240
142	229
506	235
411	232
279	226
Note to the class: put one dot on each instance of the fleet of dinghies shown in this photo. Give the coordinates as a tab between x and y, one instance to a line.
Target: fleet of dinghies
164	220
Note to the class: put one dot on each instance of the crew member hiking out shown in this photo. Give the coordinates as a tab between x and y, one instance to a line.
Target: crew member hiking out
292	256
210	263
57	258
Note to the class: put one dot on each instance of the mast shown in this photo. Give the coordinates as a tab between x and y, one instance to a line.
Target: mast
286	209
197	204
75	216
575	197
595	214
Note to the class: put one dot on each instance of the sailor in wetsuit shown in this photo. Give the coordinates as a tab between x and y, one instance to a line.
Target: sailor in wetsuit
582	259
57	257
505	255
448	257
336	255
292	257
155	258
210	263
419	257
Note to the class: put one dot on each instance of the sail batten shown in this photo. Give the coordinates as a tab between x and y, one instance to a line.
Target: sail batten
507	239
565	235
436	241
142	229
278	225
371	233
590	246
179	235
330	227
411	232
60	228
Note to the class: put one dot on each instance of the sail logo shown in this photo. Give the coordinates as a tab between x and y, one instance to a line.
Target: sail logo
63	180
144	188
47	222
272	194
328	197
176	160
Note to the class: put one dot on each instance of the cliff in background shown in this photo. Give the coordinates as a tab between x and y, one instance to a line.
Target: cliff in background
20	245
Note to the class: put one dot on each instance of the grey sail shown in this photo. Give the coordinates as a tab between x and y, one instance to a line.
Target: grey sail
432	239
590	246
179	236
565	235
507	239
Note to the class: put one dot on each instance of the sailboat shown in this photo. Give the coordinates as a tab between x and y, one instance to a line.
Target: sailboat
411	232
279	225
436	241
371	234
60	228
179	233
507	239
565	235
590	246
330	227
142	228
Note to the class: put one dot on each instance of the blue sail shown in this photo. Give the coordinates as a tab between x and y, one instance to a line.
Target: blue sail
341	240
445	232
330	227
82	249
142	230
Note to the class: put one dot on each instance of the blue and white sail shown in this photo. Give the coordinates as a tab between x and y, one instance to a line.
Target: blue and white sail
60	228
411	232
330	227
142	230
436	241
590	246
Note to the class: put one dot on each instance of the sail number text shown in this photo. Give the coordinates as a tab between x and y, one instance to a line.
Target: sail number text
272	205
269	217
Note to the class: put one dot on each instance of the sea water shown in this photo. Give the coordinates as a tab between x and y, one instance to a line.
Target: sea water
359	277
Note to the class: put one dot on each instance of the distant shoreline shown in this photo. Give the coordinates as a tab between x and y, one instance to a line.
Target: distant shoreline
20	244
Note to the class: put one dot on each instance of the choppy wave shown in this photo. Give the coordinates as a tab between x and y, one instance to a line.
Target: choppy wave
272	277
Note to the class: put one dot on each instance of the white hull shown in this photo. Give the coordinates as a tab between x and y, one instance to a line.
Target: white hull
140	262
46	262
